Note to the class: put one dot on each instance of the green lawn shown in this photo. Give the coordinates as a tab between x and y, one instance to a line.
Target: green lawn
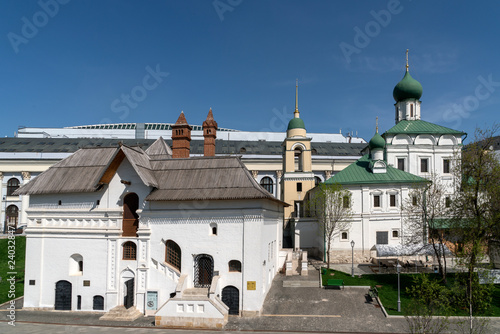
20	250
388	290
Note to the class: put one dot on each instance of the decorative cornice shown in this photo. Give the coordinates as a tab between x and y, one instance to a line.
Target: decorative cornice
203	220
26	175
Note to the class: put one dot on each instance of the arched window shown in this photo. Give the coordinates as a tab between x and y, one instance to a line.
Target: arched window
235	266
12	186
76	265
298	159
213	228
130	216
317	180
173	254
129	251
11	217
267	183
411	110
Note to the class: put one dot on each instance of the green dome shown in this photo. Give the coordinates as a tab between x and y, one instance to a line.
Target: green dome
407	88
376	142
296	123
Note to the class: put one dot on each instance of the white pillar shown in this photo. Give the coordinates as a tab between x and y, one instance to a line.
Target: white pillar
25	201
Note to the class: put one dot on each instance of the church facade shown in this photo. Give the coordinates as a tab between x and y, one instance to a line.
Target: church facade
408	155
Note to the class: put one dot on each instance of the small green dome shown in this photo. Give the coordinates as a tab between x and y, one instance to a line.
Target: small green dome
376	142
296	123
407	88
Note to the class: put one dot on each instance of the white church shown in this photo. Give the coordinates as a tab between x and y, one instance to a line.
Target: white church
404	157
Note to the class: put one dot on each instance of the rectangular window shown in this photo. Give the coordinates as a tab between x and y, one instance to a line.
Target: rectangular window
382	238
299	209
447	202
299	186
376	201
344	236
395	233
414	200
424	165
393	200
346	202
446	166
401	164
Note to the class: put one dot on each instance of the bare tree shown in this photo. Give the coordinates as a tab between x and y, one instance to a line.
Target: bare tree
331	205
425	215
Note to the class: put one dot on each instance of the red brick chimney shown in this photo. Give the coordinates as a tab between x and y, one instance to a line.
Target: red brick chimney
210	133
181	137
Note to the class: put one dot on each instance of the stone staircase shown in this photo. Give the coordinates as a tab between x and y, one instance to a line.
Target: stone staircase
195	293
120	313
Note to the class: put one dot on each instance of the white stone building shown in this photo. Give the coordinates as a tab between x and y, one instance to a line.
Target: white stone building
405	156
189	240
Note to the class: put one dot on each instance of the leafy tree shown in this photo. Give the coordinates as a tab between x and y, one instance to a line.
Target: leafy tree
425	213
476	210
429	299
331	205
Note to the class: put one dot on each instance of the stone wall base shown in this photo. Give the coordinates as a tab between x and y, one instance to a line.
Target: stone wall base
187	322
345	256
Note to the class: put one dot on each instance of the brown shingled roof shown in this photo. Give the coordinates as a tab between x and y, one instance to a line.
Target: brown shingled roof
200	178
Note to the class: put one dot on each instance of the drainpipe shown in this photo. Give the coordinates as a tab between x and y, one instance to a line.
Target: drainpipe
243	266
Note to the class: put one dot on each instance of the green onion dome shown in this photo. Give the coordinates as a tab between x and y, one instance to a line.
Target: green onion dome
407	88
377	142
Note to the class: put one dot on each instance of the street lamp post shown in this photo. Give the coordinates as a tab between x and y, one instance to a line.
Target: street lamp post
398	267
352	258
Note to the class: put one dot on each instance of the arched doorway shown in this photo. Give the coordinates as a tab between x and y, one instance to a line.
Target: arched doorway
63	296
130	216
231	297
98	303
203	271
128	288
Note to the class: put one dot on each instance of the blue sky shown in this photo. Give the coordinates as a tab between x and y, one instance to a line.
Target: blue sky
67	63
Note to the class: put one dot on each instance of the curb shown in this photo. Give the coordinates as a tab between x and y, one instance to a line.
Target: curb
8	302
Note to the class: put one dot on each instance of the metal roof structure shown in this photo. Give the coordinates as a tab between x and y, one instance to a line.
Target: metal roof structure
222	147
421	127
360	173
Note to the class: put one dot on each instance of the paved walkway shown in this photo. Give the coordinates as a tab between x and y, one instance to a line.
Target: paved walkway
289	307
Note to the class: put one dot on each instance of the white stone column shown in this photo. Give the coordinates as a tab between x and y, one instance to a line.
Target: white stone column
279	173
25	201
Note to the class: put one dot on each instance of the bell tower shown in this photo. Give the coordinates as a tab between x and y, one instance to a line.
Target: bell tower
298	177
